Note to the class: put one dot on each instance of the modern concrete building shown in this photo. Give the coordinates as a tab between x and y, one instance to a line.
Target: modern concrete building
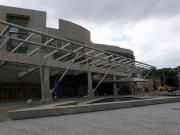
33	56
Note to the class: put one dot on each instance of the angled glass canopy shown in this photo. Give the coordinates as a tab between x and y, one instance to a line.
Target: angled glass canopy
51	48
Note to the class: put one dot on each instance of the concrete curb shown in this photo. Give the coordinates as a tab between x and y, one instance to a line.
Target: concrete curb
74	109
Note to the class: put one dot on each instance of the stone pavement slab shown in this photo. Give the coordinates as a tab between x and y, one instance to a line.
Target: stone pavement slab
163	119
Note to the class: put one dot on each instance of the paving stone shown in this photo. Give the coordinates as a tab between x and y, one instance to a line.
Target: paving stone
163	119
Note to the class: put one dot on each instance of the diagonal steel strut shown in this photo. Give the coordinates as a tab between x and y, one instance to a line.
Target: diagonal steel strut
60	79
147	74
103	77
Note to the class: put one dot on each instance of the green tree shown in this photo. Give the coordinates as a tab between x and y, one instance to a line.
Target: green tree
169	76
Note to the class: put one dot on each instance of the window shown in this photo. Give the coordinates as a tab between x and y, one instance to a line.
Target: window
17	33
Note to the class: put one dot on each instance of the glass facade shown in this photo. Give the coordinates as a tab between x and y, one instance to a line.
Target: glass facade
17	33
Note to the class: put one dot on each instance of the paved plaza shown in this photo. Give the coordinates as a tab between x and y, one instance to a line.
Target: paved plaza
161	119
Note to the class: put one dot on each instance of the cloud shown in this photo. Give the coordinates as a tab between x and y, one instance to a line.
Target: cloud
108	10
154	41
150	28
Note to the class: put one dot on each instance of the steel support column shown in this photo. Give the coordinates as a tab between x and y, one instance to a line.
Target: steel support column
115	92
45	89
90	88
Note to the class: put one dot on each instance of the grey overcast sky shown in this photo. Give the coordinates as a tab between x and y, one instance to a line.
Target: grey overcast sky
151	28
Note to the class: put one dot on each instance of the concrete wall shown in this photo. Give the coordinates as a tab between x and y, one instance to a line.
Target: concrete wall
68	30
37	18
116	50
73	31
